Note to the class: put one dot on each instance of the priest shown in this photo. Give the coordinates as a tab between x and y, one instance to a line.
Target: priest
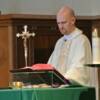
72	50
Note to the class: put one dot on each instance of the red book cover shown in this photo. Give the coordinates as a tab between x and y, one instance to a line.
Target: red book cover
42	67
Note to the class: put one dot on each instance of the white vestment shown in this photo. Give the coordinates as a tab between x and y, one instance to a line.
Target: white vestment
75	50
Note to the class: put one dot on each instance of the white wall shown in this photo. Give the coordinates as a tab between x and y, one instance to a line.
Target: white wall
81	7
40	6
96	7
50	7
8	6
85	7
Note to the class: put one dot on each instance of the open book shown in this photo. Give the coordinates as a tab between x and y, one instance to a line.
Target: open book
35	67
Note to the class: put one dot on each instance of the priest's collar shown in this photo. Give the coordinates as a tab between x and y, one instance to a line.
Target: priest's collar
72	35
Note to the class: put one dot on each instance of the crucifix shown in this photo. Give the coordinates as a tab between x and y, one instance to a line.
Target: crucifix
25	35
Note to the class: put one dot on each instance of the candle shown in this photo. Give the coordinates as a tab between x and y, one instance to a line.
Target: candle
96	47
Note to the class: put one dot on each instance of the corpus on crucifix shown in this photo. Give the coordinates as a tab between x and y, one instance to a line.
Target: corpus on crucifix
25	35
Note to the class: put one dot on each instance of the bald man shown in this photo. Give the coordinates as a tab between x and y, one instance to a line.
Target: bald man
72	50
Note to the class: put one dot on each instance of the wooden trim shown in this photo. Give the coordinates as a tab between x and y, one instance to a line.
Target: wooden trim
26	16
88	17
45	17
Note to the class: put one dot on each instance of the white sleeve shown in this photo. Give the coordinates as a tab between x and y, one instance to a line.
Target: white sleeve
50	59
77	71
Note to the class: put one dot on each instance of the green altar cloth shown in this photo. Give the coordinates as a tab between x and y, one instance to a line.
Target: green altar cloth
69	93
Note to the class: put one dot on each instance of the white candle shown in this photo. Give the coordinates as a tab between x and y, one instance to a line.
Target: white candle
96	47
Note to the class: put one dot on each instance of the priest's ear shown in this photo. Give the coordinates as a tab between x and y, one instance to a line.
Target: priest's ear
73	20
